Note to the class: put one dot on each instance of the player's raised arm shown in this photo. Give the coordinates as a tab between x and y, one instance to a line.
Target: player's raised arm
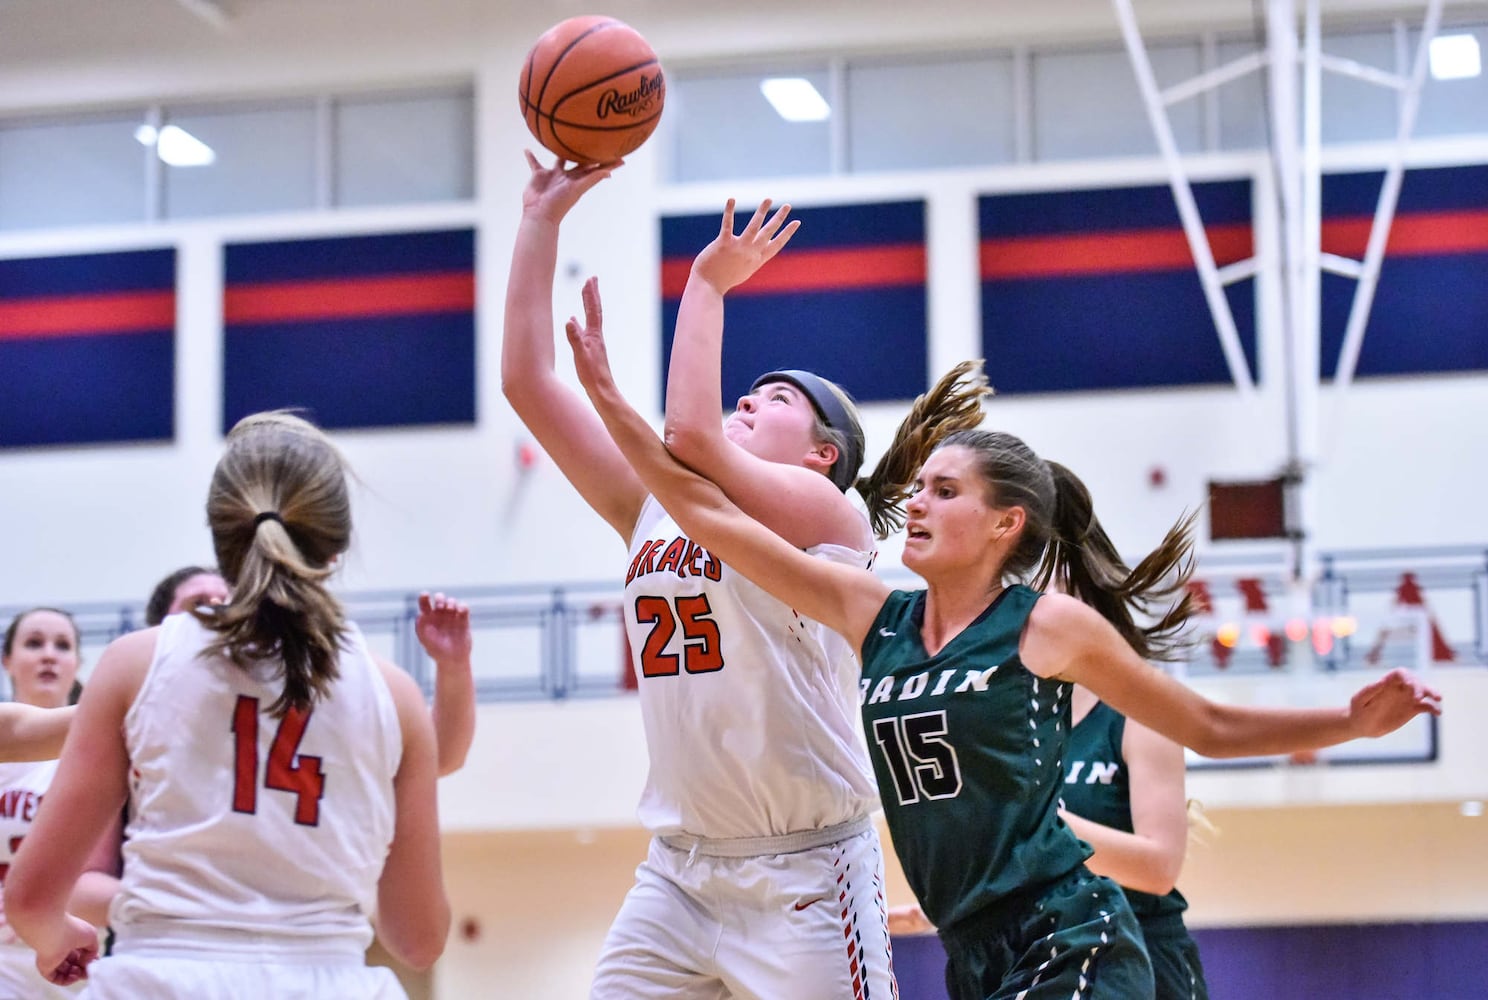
800	499
443	629
560	419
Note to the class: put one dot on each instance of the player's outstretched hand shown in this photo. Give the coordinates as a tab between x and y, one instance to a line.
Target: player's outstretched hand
731	259
1391	702
443	628
552	191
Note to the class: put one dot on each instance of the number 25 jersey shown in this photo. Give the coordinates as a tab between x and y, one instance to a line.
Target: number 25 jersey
750	710
240	821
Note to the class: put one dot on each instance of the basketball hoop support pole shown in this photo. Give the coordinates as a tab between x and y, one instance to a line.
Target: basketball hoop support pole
1210	277
1296	160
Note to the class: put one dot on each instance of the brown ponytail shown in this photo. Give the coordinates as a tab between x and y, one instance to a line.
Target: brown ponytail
280	513
1081	560
953	404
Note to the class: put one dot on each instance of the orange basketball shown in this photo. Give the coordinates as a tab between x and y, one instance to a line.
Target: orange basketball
591	89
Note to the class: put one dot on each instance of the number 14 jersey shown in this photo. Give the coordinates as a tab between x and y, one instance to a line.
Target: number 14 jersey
243	822
750	710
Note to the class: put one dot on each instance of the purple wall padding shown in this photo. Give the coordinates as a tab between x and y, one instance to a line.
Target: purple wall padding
1426	961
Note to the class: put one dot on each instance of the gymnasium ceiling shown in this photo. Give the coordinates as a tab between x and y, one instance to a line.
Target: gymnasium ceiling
67	55
46	29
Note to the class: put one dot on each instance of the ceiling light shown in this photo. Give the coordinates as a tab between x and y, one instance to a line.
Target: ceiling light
1455	57
176	146
180	148
795	99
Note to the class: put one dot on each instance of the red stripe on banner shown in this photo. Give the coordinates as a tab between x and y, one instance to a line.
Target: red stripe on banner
1069	255
817	271
70	315
401	295
1416	235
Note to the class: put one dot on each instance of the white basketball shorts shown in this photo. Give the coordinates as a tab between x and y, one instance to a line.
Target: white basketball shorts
805	925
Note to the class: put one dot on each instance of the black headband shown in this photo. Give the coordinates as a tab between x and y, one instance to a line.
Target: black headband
266	515
834	412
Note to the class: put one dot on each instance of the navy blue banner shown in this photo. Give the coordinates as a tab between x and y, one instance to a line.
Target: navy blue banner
87	344
1430	309
1097	289
846	299
360	331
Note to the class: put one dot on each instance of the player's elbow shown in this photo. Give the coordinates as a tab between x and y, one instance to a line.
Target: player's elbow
1154	884
530	396
26	899
515	387
1163	886
451	760
1210	735
688	444
419	944
1164	877
422	957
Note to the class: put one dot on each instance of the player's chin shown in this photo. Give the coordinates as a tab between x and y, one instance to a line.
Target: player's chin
915	555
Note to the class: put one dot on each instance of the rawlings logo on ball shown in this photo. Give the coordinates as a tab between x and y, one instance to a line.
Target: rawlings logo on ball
637	102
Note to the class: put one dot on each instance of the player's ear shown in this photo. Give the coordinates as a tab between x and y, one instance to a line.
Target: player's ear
822	456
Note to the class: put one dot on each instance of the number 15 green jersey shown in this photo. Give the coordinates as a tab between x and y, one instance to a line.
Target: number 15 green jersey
968	748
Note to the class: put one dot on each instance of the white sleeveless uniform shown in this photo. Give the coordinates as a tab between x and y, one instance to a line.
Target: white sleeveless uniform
759	793
254	844
22	787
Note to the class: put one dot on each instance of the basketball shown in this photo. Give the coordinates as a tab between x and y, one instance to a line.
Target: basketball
591	89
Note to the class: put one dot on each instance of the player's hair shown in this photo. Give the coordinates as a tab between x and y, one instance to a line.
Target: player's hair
954	404
15	626
280	513
1064	546
164	593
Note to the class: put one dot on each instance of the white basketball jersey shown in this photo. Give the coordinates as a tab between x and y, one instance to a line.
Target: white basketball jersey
22	787
241	822
751	711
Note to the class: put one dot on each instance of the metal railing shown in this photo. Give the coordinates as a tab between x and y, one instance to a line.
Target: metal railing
566	640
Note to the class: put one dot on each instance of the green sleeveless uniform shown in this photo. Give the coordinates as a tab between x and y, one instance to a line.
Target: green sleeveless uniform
968	748
1097	787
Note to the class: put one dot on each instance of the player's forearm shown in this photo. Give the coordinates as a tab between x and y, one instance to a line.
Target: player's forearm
527	344
1128	859
1242	730
30	733
680	490
694	398
454	713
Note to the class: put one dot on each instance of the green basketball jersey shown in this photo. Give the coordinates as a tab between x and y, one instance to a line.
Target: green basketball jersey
968	748
1097	787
